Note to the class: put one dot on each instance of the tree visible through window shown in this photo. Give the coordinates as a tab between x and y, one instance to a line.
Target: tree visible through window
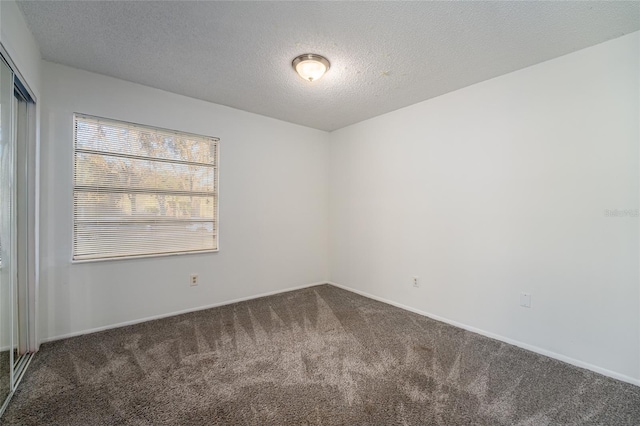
141	191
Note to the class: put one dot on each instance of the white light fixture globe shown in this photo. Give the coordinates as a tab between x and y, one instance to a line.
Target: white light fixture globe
311	66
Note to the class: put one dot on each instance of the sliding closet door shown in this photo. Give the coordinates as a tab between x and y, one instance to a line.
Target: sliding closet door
21	289
7	227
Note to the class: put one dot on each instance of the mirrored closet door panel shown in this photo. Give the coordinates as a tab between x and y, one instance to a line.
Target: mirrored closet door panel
21	289
17	237
7	228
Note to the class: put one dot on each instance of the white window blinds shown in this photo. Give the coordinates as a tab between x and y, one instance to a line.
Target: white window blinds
142	191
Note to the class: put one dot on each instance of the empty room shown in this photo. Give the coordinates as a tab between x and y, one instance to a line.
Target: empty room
319	213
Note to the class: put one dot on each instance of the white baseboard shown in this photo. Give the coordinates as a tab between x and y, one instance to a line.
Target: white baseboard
171	314
517	343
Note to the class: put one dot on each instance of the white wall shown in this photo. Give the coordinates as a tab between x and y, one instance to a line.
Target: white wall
500	188
20	44
273	208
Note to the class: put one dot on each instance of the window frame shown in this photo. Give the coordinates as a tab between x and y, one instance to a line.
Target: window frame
216	193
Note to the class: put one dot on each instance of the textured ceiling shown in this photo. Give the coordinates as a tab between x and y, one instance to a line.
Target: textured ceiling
384	55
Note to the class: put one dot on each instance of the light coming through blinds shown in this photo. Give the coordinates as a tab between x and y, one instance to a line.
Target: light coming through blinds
142	191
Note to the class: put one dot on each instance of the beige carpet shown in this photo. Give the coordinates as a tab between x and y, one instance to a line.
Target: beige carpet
5	372
318	356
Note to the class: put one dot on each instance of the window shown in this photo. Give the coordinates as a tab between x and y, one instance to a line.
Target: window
142	191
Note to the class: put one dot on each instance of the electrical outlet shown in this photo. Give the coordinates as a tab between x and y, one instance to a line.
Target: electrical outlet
416	284
525	300
193	280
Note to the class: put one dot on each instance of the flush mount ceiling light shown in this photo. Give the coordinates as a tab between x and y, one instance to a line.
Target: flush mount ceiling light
311	66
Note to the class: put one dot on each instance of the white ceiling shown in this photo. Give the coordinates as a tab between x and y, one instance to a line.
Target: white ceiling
384	55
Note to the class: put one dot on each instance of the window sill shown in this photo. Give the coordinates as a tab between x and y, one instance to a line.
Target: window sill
144	256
